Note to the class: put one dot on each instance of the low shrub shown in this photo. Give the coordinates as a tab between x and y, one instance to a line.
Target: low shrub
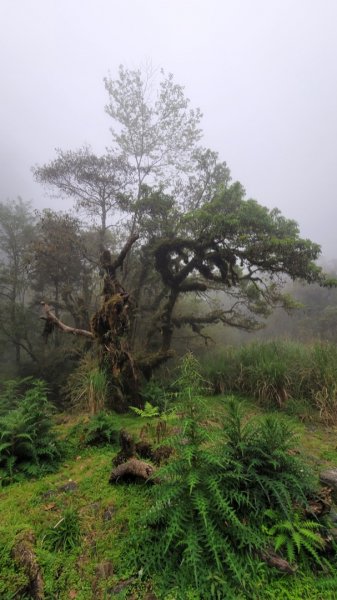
191	531
273	475
154	393
13	391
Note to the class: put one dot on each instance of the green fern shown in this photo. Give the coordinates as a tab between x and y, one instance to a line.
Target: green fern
100	430
147	412
12	393
203	527
299	538
26	437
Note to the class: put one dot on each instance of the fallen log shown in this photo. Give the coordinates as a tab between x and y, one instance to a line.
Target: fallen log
134	470
273	560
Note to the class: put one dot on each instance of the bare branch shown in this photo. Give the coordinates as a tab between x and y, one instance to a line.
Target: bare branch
52	318
126	248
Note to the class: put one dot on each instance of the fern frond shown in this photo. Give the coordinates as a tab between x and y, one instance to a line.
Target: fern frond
310	548
193	553
290	550
280	541
175	528
297	540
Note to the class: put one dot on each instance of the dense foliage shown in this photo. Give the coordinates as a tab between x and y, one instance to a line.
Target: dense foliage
28	444
233	493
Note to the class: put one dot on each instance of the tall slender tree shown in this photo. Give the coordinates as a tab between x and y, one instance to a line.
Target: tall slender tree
16	233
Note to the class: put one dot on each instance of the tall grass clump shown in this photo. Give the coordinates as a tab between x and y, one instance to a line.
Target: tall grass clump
65	535
319	380
87	386
274	372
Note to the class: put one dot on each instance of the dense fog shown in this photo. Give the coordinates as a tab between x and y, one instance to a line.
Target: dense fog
263	74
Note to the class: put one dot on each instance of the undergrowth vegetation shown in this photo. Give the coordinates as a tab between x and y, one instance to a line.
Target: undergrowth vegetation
66	533
99	430
234	494
208	524
276	372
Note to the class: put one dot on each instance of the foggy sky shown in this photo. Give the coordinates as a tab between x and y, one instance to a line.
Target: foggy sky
263	72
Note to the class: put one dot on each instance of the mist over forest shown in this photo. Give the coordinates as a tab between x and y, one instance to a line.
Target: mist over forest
200	263
168	300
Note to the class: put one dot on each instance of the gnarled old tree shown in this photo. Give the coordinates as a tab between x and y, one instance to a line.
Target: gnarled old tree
235	254
197	235
231	249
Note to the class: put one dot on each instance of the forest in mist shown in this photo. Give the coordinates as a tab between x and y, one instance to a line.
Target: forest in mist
203	266
168	382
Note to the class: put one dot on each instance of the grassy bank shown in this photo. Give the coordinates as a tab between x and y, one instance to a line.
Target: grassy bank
99	562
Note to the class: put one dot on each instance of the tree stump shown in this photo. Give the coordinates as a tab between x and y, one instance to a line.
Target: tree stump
24	555
133	471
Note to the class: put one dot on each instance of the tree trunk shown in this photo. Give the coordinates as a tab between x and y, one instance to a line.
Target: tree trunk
110	329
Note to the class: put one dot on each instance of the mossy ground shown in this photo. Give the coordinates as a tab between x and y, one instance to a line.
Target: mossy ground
104	558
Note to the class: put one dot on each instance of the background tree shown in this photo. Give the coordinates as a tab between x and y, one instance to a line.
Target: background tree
16	232
234	251
97	183
153	127
316	316
60	272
